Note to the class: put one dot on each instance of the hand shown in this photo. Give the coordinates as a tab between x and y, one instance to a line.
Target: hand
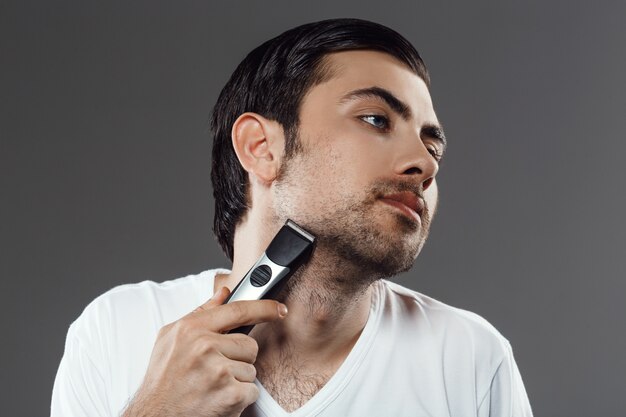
197	370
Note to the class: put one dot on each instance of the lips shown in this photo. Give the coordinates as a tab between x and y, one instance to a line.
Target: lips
409	199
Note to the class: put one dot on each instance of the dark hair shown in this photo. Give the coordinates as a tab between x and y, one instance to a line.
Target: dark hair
271	81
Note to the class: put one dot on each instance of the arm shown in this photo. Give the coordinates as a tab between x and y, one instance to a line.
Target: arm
196	368
506	396
79	386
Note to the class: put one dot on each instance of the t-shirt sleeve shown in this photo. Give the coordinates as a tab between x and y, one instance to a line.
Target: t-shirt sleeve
506	396
79	387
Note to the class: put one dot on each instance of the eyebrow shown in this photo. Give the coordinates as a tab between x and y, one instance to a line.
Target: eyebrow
432	131
381	94
435	132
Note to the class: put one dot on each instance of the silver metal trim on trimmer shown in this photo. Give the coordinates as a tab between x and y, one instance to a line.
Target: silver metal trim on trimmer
246	291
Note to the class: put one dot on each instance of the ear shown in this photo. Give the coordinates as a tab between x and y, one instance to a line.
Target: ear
259	144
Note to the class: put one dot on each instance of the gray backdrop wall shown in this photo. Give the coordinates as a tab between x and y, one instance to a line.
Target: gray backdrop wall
105	161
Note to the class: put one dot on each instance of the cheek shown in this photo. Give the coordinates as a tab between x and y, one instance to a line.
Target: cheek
358	167
338	173
318	182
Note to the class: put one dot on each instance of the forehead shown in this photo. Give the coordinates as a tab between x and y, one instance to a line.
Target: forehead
354	70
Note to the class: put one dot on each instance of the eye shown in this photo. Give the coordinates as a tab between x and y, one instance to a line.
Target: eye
376	120
435	153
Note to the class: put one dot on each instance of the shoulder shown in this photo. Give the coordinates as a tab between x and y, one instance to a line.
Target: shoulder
143	305
451	325
115	333
187	289
108	346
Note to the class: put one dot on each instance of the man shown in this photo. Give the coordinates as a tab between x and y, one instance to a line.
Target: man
331	125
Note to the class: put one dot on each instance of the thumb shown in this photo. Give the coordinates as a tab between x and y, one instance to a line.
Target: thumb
218	299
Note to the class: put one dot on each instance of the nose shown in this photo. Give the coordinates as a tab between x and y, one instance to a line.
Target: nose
415	160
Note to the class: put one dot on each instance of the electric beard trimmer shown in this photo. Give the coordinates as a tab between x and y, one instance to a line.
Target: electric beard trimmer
290	248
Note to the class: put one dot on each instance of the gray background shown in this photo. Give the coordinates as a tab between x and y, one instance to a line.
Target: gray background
105	161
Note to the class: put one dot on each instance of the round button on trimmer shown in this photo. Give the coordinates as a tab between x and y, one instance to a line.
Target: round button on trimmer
261	275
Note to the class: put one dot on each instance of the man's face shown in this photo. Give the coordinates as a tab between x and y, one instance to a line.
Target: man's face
359	147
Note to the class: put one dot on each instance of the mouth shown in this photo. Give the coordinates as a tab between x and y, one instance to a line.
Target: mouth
408	203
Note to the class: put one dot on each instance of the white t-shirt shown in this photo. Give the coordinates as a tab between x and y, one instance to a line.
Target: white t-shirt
415	357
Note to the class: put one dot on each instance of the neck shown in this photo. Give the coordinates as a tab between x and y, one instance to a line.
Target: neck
328	300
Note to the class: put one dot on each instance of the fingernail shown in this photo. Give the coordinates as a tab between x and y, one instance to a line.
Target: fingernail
282	310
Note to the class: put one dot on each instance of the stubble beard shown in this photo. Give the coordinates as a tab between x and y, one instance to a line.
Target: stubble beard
356	246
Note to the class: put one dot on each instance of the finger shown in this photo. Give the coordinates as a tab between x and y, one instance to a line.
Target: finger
242	371
241	313
238	347
217	299
251	392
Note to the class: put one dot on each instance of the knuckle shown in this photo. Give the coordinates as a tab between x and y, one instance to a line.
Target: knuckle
253	347
248	345
182	327
210	348
206	346
221	371
234	396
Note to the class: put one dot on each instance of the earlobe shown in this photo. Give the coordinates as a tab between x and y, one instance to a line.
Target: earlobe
257	142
